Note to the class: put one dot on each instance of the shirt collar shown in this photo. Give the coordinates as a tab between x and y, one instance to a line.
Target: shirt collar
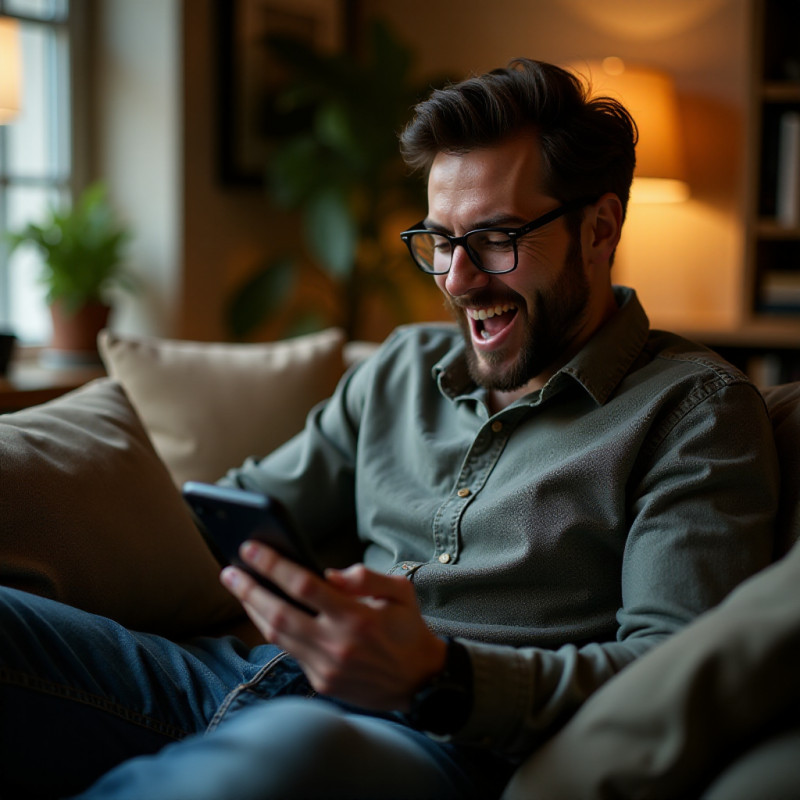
608	356
599	366
451	373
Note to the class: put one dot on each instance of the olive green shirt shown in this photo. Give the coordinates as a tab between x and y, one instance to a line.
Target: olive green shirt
559	538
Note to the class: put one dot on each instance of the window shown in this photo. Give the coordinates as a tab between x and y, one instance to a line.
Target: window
36	157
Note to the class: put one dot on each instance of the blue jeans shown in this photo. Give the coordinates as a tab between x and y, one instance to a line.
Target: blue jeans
88	707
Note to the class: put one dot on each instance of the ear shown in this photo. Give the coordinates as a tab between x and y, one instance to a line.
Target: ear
602	229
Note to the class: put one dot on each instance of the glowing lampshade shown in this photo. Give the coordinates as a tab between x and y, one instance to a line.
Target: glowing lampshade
650	97
10	70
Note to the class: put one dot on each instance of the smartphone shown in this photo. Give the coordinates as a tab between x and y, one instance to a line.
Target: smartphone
227	517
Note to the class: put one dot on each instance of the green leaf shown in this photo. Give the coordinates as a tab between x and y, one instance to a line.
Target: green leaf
82	248
334	127
292	172
306	323
261	295
332	232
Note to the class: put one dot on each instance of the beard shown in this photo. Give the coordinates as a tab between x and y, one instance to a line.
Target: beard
556	314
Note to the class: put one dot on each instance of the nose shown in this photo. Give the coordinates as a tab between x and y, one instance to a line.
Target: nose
463	276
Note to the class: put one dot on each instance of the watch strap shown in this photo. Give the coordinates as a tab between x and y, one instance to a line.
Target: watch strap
444	703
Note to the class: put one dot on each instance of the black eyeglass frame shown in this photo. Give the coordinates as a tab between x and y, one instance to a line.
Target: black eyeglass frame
514	234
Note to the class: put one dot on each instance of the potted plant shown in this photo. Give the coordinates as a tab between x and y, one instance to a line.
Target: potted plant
335	163
82	257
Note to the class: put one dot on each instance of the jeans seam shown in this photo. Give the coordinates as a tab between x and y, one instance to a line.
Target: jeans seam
241	688
64	691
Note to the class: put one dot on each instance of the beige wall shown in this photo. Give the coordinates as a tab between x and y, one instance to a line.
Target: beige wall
200	239
226	230
137	71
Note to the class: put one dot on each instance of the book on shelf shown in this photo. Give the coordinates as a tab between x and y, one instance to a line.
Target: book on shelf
780	290
766	369
787	207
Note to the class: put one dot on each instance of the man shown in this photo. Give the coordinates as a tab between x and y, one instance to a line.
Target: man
537	500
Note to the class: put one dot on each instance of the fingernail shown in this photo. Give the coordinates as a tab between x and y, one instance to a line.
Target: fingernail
230	577
248	550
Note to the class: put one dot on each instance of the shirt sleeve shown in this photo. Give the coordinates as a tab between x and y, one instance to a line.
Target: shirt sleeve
701	500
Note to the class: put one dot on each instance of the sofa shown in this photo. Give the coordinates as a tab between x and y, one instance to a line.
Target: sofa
90	514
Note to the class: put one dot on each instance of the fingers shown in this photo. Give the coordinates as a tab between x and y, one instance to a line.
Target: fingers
368	644
246	589
303	586
298	582
360	581
324	595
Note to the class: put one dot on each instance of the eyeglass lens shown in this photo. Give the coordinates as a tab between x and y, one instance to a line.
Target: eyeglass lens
491	251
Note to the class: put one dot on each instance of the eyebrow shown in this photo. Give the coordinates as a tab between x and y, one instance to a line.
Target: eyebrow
500	221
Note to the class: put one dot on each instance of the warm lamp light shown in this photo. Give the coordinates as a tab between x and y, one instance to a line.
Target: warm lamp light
649	95
10	70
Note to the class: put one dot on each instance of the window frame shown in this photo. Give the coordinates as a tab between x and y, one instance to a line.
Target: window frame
69	109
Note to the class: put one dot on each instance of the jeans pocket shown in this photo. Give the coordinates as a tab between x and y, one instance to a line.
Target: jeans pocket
281	676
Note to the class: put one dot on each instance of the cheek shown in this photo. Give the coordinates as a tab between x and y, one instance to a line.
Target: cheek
541	262
538	255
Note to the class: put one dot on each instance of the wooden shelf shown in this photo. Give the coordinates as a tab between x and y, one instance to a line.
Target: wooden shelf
768	228
781	92
29	383
779	332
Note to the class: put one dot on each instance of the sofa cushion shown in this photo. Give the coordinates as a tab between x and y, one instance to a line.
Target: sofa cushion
90	516
208	406
783	404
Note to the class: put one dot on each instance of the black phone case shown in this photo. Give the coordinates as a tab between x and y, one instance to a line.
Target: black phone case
227	517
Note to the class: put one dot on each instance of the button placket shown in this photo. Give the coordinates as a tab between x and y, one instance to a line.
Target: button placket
478	465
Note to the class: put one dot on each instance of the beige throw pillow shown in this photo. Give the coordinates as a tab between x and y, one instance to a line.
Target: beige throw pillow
208	406
90	516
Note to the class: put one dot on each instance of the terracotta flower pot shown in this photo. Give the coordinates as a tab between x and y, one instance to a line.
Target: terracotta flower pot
75	335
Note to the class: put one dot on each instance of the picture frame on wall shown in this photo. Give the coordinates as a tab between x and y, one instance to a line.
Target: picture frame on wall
248	77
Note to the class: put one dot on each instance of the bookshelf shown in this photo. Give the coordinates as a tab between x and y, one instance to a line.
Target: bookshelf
772	272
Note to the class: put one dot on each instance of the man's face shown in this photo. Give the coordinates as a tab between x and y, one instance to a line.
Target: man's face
518	324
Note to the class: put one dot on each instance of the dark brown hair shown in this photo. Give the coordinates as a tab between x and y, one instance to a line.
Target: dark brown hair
587	142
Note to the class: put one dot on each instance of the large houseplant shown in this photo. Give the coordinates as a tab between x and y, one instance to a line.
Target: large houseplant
82	248
335	162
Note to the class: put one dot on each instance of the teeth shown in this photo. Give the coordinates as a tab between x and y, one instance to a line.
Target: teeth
488	313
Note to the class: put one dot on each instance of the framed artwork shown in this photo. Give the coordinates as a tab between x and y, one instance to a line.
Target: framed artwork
247	76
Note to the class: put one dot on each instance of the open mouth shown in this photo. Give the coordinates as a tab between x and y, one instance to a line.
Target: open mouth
489	323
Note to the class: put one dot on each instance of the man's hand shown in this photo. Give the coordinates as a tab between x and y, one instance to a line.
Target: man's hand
368	643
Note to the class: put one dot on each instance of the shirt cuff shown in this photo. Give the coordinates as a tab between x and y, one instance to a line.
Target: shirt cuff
502	696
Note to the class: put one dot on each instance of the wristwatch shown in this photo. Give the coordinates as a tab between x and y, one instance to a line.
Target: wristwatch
444	703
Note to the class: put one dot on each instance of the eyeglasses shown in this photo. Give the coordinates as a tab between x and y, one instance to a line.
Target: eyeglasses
492	250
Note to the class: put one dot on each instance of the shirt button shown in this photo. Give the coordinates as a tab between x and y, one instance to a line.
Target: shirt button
444	558
497	426
463	492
